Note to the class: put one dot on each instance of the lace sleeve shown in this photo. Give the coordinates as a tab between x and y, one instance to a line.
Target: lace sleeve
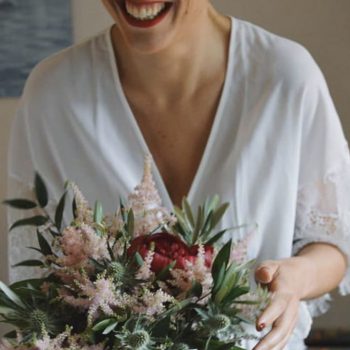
20	238
323	215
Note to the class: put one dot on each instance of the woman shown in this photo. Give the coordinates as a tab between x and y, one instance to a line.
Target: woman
224	107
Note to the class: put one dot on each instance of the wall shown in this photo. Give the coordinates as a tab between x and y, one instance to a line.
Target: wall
323	26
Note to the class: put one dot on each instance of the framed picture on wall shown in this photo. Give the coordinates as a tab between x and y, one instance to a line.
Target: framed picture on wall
30	31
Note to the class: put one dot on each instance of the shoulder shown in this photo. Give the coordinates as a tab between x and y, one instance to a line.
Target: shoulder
278	59
59	73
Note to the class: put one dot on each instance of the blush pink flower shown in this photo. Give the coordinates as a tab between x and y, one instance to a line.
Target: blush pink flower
146	204
78	244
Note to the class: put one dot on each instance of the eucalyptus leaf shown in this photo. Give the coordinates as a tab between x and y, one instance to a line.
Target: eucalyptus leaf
41	191
20	203
37	220
59	211
74	208
30	263
44	245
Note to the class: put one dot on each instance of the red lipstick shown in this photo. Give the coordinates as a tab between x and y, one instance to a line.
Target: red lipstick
144	23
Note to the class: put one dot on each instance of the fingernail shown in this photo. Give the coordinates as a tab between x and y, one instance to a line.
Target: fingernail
261	326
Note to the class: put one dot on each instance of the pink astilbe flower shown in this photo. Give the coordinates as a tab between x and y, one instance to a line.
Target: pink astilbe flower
74	343
84	213
114	222
240	248
197	271
152	304
146	204
145	272
78	244
97	296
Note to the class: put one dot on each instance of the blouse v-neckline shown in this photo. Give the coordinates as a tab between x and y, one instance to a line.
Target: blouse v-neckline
167	201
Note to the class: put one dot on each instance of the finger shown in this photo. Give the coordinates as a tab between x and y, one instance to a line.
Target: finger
277	306
281	329
281	345
266	271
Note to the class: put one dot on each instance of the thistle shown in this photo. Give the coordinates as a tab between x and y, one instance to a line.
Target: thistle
138	340
218	323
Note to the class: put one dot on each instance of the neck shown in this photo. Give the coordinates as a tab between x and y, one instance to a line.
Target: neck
178	71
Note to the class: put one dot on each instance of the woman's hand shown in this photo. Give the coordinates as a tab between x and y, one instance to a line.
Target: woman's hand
317	269
282	280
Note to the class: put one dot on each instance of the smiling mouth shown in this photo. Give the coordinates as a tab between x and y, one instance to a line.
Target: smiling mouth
144	13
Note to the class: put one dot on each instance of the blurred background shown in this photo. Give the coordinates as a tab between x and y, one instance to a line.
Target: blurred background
322	26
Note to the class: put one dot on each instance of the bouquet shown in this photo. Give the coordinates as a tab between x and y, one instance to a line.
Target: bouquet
140	278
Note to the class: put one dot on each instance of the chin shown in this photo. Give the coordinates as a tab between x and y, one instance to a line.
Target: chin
146	44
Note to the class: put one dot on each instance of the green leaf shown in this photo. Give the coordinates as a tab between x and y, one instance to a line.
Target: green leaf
35	248
205	230
59	211
214	202
6	310
44	245
187	208
181	218
221	259
38	220
235	293
164	272
216	237
102	324
11	295
98	212
31	263
122	208
11	335
196	290
110	328
230	281
74	208
218	214
202	313
138	259
20	203
219	278
40	190
130	225
199	224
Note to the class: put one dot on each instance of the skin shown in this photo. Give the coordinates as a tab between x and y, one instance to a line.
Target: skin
191	47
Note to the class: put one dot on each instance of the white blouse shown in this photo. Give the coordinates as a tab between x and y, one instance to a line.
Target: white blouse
276	150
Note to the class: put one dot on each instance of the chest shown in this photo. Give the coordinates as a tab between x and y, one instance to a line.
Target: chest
177	136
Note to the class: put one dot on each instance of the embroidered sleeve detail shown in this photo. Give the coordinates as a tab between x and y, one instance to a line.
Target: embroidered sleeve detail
323	215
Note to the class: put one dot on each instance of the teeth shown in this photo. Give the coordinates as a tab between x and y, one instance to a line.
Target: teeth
144	12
